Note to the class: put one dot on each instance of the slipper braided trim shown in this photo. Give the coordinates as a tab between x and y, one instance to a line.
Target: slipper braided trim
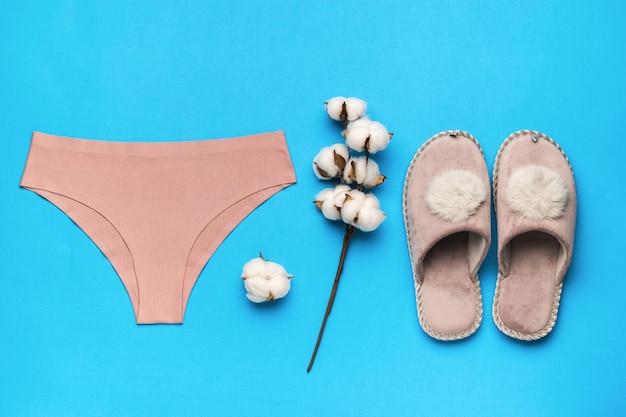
559	289
418	287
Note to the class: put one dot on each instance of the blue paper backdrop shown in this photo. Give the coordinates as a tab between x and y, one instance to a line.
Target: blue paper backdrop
180	70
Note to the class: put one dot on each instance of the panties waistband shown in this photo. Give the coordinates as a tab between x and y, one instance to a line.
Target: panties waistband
160	148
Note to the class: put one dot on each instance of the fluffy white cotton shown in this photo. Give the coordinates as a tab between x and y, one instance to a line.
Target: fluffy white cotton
325	194
379	137
363	171
371	201
345	109
369	218
335	108
357	133
455	195
355	108
265	280
331	200
362	211
352	205
536	192
365	134
330	162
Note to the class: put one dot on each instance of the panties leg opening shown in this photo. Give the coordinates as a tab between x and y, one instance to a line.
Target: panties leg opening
218	229
103	234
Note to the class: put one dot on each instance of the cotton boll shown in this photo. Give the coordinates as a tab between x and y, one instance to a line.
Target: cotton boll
331	161
342	151
379	137
325	194
330	210
335	108
363	170
280	287
369	218
371	201
330	200
258	289
253	268
265	280
357	133
352	205
272	269
350	173
372	174
350	211
355	108
356	195
369	173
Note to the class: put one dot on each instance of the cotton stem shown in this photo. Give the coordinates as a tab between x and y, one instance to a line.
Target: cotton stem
344	249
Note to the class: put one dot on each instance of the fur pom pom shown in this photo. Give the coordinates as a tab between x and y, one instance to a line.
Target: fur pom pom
536	192
455	195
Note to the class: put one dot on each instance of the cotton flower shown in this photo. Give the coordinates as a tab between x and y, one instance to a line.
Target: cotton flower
356	108
369	218
345	109
353	203
330	162
330	200
365	134
357	133
363	171
362	211
265	280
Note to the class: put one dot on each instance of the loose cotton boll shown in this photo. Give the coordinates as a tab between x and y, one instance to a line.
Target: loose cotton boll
257	289
357	133
253	268
379	137
331	161
265	280
355	108
335	108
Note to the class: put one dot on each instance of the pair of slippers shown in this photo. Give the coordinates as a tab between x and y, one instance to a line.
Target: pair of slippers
447	213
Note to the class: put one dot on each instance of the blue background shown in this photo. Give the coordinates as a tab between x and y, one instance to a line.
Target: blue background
181	70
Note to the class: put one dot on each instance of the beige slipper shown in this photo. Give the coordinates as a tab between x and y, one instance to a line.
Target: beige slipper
535	201
447	217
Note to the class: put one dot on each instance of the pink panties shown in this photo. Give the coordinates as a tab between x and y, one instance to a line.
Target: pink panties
158	211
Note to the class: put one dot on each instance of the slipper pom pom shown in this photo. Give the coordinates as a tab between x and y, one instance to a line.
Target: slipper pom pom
536	192
455	195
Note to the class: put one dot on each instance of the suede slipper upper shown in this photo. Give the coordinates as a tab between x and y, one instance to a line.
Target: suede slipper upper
447	217
535	202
